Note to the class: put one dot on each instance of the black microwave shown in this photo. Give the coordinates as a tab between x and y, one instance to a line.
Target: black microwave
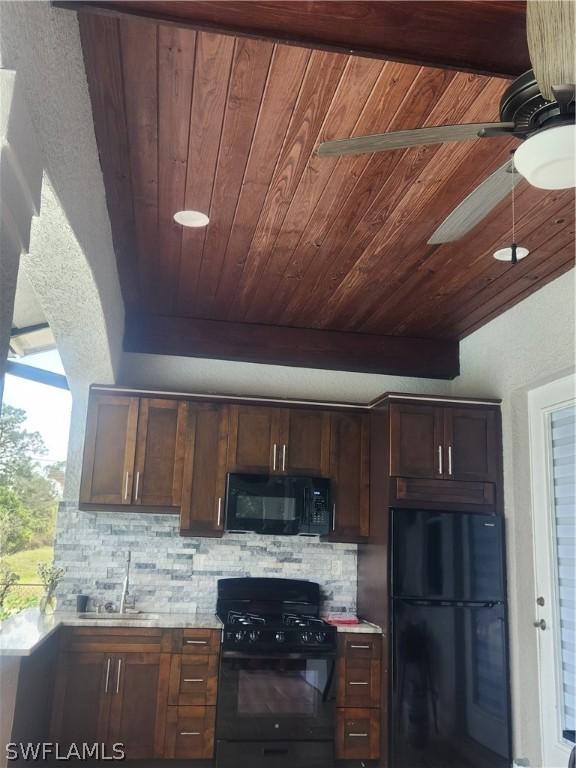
278	504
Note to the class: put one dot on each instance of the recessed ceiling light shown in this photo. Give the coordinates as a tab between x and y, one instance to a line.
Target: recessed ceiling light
191	218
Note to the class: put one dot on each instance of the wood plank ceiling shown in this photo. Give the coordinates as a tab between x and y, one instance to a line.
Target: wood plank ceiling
229	125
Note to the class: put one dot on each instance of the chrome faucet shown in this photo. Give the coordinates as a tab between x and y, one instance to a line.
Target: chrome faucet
126	584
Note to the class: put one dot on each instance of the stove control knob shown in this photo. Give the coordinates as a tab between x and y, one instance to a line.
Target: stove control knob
253	635
280	637
320	637
239	636
307	637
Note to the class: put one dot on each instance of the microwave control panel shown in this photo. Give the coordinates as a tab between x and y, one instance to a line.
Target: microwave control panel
319	512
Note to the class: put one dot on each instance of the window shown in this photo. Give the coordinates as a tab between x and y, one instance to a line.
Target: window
552	409
562	426
34	426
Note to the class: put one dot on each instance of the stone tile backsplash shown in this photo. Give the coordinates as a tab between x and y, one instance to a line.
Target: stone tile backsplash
171	573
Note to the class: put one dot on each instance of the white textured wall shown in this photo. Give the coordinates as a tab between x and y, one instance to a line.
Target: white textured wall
529	345
224	377
71	264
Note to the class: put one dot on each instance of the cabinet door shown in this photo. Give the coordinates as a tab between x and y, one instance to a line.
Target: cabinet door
190	733
471	439
81	698
202	512
160	452
109	446
254	443
139	701
357	734
305	442
349	473
416	440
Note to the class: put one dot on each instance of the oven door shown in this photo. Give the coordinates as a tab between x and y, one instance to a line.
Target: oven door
264	504
273	697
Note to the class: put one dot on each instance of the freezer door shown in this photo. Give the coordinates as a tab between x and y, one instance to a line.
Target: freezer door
447	556
450	691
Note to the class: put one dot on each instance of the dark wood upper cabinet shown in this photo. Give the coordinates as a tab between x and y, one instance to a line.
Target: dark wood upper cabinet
204	482
133	451
471	439
305	442
350	476
279	440
109	450
160	446
416	433
254	439
447	442
139	685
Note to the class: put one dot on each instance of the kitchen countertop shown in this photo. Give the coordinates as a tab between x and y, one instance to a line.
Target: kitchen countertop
365	627
22	634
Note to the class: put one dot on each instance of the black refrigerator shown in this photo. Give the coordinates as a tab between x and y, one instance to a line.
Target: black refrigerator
449	650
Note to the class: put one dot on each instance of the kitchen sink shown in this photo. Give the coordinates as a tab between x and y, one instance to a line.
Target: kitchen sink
120	616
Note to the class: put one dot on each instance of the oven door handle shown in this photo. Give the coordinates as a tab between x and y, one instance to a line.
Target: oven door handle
261	656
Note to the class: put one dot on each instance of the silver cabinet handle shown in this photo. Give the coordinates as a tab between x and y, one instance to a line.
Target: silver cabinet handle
440	468
364	647
126	486
196	642
107	675
333	517
118	675
137	486
283	458
190	733
450	460
193	680
219	511
358	735
357	683
274	457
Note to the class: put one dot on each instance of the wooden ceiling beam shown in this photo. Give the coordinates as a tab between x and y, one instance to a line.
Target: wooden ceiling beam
481	36
299	347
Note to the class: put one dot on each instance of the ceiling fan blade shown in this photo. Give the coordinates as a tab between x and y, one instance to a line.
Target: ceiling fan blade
477	205
550	26
379	142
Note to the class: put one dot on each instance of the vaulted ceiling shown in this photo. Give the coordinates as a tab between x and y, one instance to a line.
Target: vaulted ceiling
229	124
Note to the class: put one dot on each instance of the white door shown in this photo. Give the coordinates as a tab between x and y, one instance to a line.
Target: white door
553	459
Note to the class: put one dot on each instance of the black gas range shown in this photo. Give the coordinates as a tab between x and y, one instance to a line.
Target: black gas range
276	697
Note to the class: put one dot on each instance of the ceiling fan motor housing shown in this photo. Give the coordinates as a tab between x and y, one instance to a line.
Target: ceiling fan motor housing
524	105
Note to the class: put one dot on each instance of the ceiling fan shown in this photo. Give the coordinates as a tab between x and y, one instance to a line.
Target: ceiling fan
537	108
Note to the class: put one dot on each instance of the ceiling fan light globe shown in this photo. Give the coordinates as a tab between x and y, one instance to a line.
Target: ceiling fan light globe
505	254
547	160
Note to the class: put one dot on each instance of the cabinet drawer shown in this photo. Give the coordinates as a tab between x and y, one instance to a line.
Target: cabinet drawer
198	641
358	682
413	491
357	734
190	732
116	639
193	680
359	645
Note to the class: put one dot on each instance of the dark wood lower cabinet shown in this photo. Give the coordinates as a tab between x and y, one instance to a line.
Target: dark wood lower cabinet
139	688
158	703
358	734
112	698
190	732
359	696
81	706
